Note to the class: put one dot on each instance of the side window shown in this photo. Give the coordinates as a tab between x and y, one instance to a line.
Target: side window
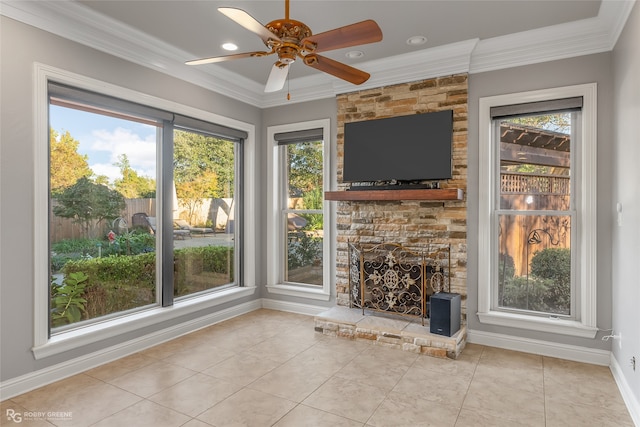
299	232
301	210
537	204
535	212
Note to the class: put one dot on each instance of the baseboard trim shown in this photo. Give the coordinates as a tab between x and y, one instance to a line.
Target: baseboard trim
24	383
293	307
632	403
544	348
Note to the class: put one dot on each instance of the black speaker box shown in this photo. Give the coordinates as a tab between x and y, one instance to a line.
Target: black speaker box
444	315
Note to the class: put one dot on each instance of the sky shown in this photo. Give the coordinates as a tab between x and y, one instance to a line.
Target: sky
104	138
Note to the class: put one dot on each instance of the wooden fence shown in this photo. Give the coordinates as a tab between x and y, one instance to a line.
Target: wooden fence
214	212
521	236
520	183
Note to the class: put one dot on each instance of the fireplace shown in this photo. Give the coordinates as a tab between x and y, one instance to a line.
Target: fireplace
394	279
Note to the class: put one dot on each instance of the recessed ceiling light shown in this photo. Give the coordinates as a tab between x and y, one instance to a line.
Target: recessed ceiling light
229	46
416	40
354	54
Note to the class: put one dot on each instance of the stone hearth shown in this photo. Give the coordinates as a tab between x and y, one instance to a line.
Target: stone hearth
391	331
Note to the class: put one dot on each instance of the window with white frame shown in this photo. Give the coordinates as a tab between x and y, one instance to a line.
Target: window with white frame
144	209
537	210
298	232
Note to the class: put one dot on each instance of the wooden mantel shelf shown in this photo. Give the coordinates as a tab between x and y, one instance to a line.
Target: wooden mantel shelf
441	194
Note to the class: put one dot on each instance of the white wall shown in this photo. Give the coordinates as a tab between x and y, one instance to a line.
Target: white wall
625	147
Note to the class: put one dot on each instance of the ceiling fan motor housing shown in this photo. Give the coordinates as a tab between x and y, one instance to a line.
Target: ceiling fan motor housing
291	33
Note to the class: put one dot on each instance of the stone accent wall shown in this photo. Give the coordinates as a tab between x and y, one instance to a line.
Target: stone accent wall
413	224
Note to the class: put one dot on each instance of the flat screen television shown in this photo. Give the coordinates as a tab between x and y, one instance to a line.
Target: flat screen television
411	148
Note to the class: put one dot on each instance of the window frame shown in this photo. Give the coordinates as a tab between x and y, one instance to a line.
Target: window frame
583	323
45	345
275	225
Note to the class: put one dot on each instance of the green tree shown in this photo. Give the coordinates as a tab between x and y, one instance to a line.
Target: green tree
196	155
132	185
558	122
66	164
191	193
86	202
102	180
305	170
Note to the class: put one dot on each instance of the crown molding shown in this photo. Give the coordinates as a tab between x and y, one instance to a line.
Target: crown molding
440	61
583	37
72	20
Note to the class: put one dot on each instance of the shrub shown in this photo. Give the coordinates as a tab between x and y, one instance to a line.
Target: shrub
118	283
548	287
516	289
506	268
304	249
554	265
195	261
83	246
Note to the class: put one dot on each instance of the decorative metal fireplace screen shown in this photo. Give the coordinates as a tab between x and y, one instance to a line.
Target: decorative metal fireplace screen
394	279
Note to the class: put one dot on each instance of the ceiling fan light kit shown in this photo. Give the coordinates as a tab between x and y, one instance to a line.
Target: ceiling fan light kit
291	39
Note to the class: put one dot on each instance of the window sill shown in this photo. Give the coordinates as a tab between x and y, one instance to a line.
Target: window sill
301	291
541	324
95	332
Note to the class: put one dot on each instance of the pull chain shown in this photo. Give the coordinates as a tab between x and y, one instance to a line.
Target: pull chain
288	93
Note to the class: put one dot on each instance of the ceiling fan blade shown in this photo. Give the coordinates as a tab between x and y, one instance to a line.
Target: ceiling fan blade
335	68
226	58
249	22
277	77
350	35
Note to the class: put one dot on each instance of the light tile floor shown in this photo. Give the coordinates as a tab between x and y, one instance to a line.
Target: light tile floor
269	368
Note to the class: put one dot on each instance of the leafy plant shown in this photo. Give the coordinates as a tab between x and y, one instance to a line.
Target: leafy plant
304	249
67	299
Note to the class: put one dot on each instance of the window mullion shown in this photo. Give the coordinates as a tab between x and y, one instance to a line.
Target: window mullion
165	209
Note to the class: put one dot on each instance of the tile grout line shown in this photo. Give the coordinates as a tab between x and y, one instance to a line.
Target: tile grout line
466	394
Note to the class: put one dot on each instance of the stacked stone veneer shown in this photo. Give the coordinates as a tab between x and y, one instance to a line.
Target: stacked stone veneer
389	332
412	223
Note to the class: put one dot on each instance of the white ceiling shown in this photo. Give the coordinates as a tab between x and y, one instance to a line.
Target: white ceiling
463	36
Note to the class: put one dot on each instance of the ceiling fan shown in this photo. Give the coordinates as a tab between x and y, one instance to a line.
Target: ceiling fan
291	39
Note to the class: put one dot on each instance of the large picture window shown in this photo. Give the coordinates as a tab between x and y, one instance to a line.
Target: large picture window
106	217
537	226
141	208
